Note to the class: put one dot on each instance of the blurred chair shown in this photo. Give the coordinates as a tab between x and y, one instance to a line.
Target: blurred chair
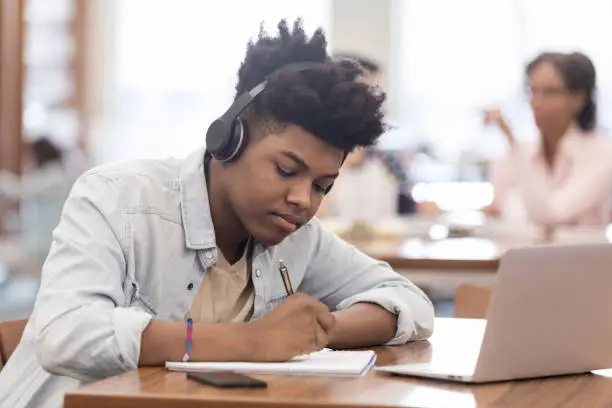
10	335
472	301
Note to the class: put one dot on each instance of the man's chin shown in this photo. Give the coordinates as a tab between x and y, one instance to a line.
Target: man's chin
270	236
270	239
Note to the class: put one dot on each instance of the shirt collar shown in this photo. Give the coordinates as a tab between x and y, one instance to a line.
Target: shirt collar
195	205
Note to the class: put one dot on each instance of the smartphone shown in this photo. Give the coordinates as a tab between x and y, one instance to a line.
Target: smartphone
226	379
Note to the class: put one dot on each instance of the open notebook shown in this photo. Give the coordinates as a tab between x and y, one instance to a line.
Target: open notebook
333	363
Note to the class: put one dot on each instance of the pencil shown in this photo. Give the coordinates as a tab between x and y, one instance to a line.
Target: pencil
284	272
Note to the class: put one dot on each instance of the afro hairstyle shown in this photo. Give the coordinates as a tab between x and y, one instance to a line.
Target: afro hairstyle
330	101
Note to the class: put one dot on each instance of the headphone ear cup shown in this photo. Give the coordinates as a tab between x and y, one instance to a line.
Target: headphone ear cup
238	140
217	138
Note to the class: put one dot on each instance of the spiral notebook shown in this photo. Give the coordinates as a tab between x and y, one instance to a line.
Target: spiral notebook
321	363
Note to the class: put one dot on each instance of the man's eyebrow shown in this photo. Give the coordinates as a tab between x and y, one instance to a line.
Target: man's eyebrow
297	159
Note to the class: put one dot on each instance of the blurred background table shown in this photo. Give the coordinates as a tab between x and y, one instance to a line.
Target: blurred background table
439	253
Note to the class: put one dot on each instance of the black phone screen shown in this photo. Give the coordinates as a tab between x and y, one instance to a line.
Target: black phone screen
226	379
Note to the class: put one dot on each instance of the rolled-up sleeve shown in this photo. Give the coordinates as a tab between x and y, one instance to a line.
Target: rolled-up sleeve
83	329
340	275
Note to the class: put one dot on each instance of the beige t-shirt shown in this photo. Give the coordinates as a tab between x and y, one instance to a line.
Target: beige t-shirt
226	294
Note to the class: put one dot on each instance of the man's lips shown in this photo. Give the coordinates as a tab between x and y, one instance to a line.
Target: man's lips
287	222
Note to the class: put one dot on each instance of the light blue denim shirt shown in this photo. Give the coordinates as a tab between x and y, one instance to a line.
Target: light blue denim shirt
134	243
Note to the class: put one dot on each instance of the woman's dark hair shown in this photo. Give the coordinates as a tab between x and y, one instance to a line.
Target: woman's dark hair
44	151
329	101
578	73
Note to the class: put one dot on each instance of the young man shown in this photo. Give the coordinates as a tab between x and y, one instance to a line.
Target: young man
142	246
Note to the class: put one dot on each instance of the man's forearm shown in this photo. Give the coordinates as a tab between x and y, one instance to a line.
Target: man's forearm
362	325
165	341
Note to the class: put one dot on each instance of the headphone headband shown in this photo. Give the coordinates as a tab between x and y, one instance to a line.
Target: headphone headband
245	99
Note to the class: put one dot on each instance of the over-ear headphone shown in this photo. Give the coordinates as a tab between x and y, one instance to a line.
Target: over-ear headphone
226	136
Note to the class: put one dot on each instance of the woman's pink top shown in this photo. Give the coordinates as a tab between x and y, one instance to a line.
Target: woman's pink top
576	191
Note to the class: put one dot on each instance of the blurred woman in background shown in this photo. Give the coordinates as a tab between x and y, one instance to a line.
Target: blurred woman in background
40	191
565	178
369	188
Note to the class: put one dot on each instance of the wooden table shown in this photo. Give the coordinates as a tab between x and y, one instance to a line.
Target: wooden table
408	243
478	254
476	251
439	266
453	339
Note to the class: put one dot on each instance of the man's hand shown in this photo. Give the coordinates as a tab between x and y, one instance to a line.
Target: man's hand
300	325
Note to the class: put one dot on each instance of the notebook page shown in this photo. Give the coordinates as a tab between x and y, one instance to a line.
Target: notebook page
324	363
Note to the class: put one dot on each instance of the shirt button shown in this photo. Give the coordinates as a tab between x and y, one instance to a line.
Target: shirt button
257	273
208	255
190	286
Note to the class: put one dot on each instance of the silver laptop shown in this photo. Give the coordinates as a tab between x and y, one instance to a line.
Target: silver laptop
550	314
